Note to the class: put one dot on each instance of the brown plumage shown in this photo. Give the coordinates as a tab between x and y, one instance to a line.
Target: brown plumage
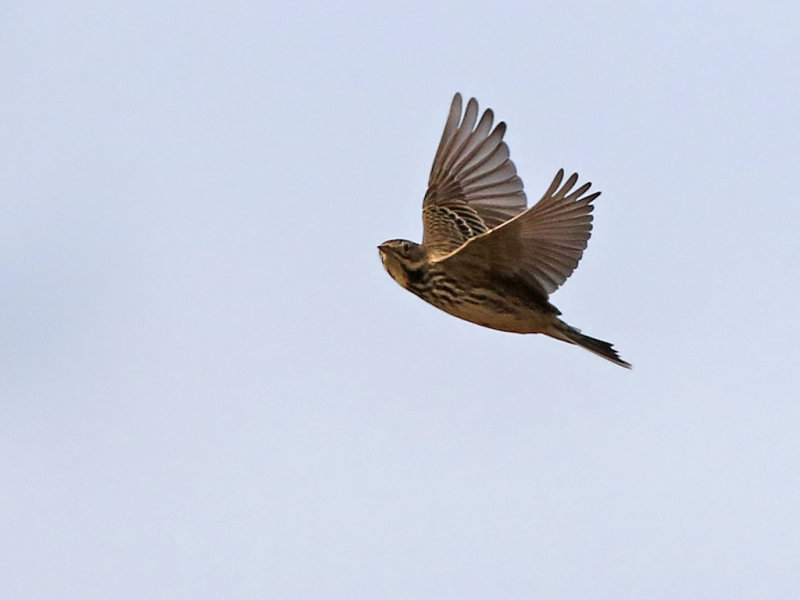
485	257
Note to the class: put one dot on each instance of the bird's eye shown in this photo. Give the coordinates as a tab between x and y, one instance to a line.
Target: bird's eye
406	247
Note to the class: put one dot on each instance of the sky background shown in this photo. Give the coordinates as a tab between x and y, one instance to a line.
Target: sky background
210	388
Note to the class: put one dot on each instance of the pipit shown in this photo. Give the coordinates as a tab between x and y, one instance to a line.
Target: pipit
485	257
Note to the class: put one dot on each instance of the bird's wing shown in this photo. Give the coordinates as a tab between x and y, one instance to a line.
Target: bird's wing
473	185
542	246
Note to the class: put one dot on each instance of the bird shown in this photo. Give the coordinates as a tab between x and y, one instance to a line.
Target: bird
486	257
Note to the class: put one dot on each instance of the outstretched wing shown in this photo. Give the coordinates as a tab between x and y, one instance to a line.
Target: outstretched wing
473	185
542	246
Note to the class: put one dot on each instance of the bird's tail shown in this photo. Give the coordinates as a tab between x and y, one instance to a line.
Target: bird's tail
599	347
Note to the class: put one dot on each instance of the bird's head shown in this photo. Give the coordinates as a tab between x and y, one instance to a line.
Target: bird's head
402	258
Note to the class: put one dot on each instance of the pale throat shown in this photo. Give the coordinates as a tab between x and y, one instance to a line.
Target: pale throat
394	269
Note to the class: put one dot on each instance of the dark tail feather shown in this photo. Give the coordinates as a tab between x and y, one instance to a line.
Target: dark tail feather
593	345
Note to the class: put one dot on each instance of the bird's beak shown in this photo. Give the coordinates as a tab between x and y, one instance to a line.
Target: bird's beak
382	252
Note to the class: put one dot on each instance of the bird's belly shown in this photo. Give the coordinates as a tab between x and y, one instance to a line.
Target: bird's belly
518	319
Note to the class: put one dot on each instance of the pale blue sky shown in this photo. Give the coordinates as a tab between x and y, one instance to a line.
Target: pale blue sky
211	388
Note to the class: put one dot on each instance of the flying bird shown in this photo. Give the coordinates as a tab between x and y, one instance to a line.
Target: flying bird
485	256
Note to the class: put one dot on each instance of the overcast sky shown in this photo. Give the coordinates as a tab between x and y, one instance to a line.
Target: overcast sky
210	388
